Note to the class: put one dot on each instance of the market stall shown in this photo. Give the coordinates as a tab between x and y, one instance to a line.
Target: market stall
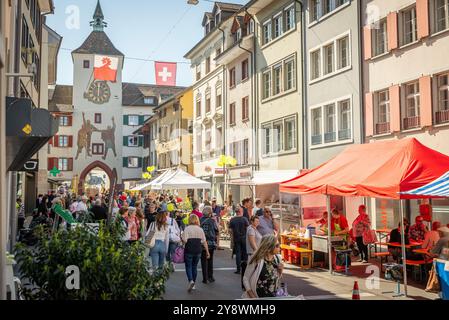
178	179
264	185
385	169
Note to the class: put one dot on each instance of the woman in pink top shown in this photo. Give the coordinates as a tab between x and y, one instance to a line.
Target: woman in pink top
360	225
195	210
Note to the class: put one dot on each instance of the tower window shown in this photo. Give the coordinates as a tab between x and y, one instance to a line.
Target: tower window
86	64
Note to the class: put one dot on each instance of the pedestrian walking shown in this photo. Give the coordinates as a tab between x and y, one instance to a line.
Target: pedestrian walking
195	210
210	228
158	252
132	225
266	223
174	237
20	207
257	210
238	226
253	236
194	239
262	276
123	220
43	208
99	211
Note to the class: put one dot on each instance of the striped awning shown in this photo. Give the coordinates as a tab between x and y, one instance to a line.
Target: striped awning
437	188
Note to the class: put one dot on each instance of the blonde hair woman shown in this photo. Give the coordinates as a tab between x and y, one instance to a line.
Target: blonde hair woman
261	278
194	239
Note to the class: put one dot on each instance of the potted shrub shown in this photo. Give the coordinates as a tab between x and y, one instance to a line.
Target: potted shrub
109	269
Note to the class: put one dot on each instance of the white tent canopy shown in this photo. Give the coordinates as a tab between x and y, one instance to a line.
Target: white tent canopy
141	187
178	179
266	177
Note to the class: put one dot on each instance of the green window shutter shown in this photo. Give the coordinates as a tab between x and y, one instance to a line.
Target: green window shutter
141	120
125	162
140	141
125	120
140	162
125	141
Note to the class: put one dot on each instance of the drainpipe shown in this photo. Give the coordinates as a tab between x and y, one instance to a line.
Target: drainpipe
224	108
251	54
254	99
361	80
305	140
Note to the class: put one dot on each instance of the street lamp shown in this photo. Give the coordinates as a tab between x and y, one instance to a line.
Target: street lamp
193	2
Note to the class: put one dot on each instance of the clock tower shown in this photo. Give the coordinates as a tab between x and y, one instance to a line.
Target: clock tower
97	106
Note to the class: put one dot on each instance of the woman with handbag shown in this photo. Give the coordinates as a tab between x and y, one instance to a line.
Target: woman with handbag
361	226
194	239
264	271
174	237
157	238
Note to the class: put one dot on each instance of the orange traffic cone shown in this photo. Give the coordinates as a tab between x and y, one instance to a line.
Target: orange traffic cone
355	291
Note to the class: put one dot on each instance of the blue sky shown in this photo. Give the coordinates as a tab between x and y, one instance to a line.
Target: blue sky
146	29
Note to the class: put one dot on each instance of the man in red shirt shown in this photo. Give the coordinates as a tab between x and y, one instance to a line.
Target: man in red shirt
339	224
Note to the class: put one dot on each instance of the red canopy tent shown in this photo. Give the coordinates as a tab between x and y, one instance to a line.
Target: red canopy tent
378	170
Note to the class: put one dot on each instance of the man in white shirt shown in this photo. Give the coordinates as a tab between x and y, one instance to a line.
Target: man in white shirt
82	205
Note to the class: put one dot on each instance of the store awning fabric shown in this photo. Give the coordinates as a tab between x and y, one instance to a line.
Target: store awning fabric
178	179
266	177
380	170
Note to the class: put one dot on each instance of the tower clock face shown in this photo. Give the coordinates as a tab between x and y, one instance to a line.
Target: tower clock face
98	92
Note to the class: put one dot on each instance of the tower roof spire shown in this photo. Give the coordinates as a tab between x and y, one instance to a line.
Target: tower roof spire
98	23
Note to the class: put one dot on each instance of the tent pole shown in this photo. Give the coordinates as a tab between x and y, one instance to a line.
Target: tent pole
281	215
404	265
329	242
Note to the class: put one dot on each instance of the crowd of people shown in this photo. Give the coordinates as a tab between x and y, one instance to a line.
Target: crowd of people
163	224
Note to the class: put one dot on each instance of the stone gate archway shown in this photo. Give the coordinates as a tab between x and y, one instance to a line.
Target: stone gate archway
112	174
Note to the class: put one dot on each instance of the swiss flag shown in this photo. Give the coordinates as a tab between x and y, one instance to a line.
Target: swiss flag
105	68
165	73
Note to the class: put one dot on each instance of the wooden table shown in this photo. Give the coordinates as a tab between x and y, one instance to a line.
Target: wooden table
383	234
286	237
407	246
421	251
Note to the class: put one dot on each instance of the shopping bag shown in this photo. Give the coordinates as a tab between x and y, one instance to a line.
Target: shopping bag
369	237
433	284
150	239
178	256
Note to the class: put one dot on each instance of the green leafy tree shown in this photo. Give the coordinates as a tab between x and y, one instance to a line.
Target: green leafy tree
109	268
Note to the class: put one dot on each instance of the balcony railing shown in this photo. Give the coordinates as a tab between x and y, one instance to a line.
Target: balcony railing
412	122
442	116
344	134
329	137
382	128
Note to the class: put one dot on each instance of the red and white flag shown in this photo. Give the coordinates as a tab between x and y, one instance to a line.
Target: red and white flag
165	73
105	68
